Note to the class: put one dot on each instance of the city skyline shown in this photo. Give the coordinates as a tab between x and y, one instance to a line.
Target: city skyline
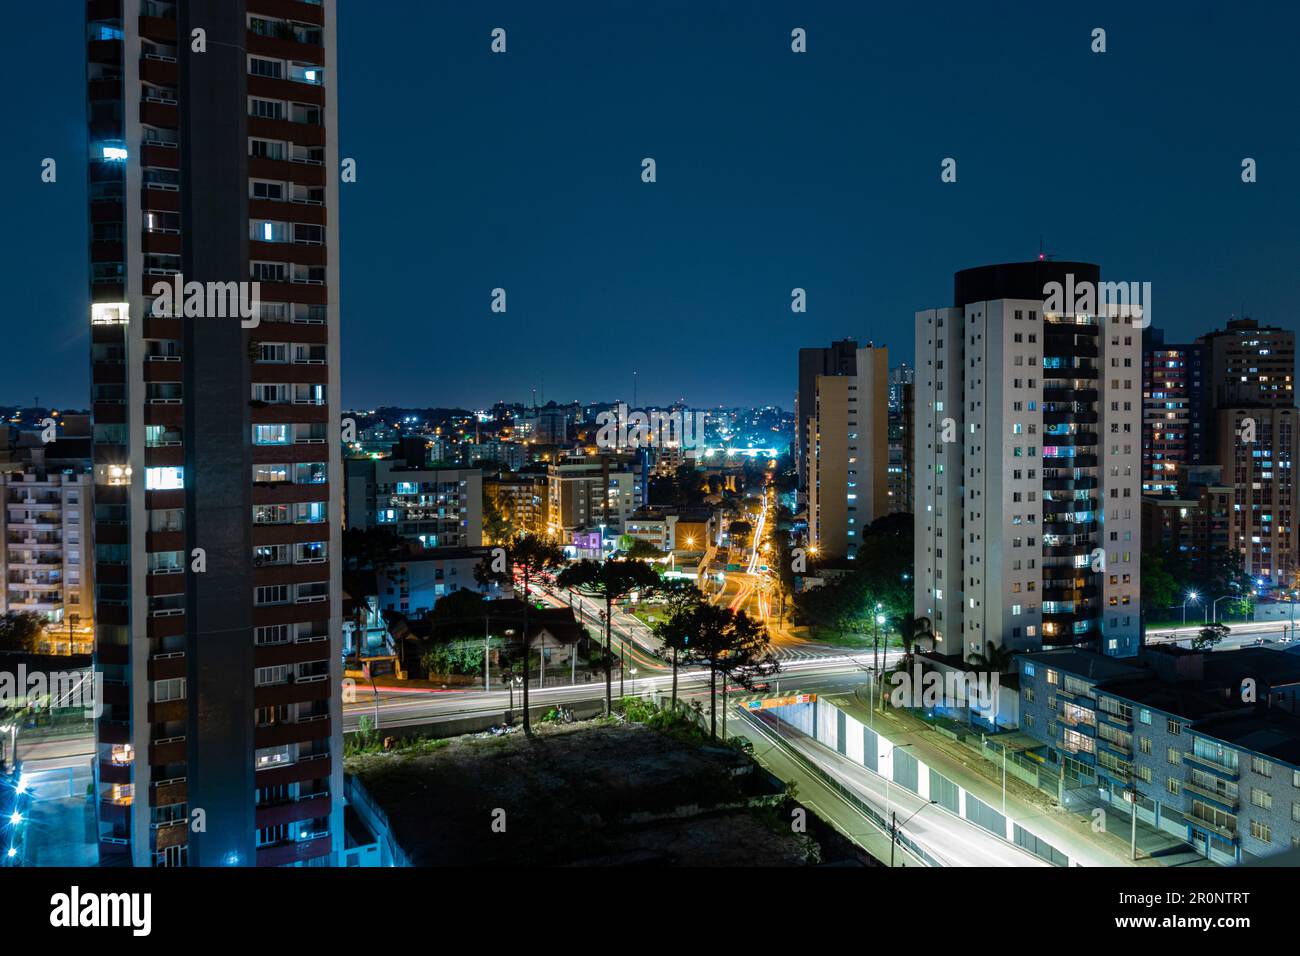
811	436
756	194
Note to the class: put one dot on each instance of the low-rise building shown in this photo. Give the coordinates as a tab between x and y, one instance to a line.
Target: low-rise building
413	585
1209	742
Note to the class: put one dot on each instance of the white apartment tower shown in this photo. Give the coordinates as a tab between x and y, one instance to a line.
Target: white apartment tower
1028	466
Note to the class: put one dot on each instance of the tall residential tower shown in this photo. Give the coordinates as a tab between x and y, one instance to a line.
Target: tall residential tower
844	413
213	164
1028	467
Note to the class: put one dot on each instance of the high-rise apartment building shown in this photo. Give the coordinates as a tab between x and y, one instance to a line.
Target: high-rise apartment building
839	359
1028	466
1173	429
902	421
213	164
846	446
1251	411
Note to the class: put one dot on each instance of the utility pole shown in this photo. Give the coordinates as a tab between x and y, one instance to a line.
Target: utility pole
1133	824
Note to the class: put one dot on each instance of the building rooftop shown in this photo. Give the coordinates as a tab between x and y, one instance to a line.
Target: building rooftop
1272	734
1081	663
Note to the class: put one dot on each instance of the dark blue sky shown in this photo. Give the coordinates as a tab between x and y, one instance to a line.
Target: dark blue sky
775	170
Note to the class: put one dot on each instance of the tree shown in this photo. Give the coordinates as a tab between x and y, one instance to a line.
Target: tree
458	614
642	549
914	630
497	528
731	645
20	631
994	657
530	555
675	630
1160	589
373	547
609	581
1210	636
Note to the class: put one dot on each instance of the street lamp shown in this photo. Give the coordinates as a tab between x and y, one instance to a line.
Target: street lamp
634	682
889	802
878	622
1193	597
896	826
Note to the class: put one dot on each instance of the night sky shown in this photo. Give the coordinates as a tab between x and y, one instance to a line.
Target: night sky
775	170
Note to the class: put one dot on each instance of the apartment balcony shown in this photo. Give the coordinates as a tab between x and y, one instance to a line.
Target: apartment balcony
104	51
288	10
286	291
162	327
291	613
307	213
160	712
1223	771
165	540
159	200
298	253
165	115
291	654
167	666
1225	801
161	72
173	833
114	732
298	692
285	48
159	584
160	627
282	854
164	793
110	772
300	134
162	29
293	811
269	88
293	732
167	750
289	413
306	174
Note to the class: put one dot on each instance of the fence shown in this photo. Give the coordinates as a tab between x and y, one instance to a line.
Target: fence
864	809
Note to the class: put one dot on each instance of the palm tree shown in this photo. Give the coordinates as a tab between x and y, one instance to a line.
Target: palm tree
994	657
531	554
915	630
609	581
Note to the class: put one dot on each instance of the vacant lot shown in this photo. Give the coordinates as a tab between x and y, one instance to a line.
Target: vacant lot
589	793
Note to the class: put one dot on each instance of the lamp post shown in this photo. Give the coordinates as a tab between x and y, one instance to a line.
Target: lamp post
1193	597
896	826
889	802
879	622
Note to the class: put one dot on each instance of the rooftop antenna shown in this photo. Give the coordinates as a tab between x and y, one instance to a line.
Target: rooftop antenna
634	405
1043	255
